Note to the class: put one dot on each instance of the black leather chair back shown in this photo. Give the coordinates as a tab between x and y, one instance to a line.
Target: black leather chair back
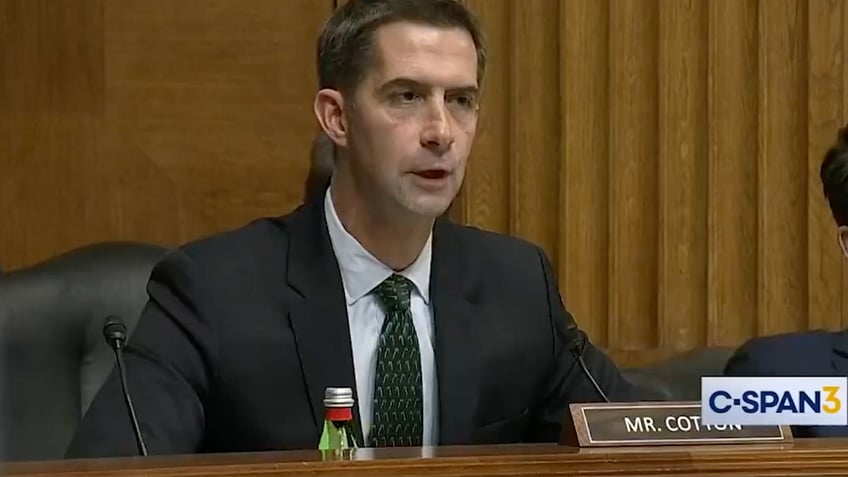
679	378
53	358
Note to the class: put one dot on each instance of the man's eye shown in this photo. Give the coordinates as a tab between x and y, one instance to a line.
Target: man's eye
463	101
406	96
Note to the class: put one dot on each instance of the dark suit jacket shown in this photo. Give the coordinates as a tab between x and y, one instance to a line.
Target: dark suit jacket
810	354
245	330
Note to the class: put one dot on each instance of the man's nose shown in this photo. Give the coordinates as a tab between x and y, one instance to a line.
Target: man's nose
437	134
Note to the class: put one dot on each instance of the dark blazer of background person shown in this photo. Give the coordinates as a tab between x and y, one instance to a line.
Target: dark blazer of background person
321	166
812	353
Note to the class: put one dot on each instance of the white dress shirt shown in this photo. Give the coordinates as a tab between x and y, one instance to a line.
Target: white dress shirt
361	273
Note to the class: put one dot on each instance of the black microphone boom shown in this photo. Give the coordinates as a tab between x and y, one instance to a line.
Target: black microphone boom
574	343
115	333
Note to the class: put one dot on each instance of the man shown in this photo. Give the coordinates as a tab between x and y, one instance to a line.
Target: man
812	353
446	334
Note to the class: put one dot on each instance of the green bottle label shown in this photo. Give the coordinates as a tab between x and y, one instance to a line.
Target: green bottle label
336	435
338	415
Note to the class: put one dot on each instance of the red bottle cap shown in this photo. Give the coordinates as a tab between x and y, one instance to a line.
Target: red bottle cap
338	414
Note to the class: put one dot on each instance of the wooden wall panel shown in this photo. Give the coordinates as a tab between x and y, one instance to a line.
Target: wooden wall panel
663	153
634	28
221	102
732	171
51	56
690	210
682	310
485	200
50	166
150	119
782	188
584	237
534	120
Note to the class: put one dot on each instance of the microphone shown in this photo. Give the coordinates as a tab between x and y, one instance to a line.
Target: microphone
115	333
575	341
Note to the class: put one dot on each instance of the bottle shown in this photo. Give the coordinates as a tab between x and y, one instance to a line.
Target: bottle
338	431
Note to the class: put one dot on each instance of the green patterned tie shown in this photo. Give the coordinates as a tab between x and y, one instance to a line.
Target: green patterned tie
398	404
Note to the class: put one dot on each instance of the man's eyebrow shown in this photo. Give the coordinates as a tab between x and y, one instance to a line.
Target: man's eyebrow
465	90
417	85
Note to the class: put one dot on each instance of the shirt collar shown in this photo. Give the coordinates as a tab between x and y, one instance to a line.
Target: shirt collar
361	271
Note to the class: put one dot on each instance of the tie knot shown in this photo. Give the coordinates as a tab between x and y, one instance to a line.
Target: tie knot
394	292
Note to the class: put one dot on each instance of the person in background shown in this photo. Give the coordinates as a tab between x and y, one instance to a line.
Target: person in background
321	166
446	334
810	353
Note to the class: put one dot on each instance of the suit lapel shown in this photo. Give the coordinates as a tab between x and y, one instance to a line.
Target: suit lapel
319	318
456	351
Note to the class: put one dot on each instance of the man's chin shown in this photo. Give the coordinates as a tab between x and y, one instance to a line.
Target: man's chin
429	207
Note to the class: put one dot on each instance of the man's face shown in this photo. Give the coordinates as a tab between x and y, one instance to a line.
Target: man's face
414	118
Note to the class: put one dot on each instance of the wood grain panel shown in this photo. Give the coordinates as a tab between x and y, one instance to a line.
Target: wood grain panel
783	141
683	172
51	56
824	118
664	153
585	171
212	105
150	120
50	170
83	181
136	188
732	181
535	130
804	457
486	190
633	174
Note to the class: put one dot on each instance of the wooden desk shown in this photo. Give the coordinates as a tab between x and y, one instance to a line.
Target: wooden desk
802	458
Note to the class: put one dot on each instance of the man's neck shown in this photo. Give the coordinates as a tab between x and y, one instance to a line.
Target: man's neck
396	243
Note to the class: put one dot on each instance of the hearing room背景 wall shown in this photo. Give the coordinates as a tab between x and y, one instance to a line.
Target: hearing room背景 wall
152	120
664	153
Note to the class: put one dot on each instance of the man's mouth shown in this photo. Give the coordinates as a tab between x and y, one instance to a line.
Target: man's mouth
432	173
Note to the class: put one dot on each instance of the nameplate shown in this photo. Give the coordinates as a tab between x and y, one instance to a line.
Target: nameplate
657	423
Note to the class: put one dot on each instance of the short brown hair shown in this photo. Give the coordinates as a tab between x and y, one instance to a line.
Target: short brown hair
345	46
834	177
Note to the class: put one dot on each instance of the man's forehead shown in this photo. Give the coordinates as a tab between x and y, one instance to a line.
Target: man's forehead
402	39
410	50
408	34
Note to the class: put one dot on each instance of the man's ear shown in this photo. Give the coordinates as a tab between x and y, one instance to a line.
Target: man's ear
843	239
329	110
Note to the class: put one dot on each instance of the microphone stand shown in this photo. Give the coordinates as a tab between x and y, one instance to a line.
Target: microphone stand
115	333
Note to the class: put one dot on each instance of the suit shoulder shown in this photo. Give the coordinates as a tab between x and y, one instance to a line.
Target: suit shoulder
784	341
778	354
259	234
503	262
248	250
489	242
